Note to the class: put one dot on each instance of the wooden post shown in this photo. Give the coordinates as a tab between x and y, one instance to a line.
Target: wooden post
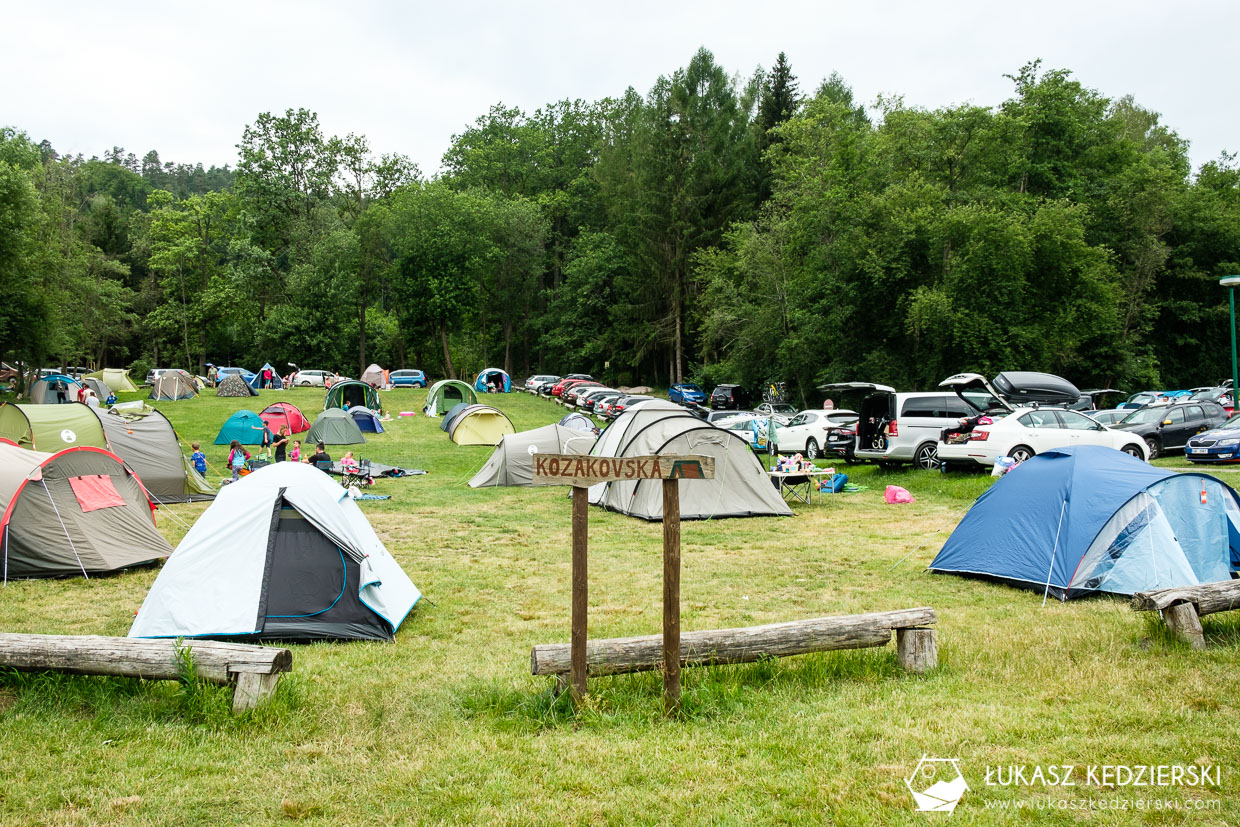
1182	619
581	518
916	650
671	595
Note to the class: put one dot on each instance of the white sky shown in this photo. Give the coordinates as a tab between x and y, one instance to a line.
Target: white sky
185	78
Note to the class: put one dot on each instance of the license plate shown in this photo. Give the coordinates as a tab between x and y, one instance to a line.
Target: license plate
1201	450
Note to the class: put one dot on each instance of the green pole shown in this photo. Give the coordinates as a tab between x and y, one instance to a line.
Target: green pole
1235	384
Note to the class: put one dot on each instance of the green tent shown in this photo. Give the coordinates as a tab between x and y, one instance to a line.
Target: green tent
446	393
354	393
246	427
334	427
51	428
116	379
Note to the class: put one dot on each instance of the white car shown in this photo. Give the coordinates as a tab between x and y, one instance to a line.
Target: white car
587	393
1029	431
806	432
312	378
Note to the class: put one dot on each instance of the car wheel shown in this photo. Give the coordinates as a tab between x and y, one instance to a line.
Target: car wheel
1133	451
1151	448
927	456
1021	453
303	384
811	449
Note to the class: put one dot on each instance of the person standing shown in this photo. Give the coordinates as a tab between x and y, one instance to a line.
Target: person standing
213	375
236	459
92	401
62	391
281	443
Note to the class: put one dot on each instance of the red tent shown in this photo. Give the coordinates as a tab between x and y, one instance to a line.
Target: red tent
283	413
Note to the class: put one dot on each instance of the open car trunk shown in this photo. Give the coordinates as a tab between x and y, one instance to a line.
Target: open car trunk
1012	389
876	408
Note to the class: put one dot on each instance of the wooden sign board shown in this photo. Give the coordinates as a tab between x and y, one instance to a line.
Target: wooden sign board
584	471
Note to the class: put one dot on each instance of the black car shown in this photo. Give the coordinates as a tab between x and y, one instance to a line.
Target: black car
728	397
1170	427
841	443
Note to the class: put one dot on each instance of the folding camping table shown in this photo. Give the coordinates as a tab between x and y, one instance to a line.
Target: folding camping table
799	485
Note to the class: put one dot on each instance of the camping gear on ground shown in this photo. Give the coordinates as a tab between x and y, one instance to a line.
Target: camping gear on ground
373	375
57	389
578	421
148	444
366	419
895	495
79	511
334	427
116	380
493	379
1074	521
282	554
513	460
740	487
1002	466
378	469
246	427
446	393
352	393
256	381
51	427
284	414
234	385
173	385
478	425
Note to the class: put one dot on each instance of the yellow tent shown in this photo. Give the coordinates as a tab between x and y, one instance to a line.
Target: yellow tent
116	379
479	425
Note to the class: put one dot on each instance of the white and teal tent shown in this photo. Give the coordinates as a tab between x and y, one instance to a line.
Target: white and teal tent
283	554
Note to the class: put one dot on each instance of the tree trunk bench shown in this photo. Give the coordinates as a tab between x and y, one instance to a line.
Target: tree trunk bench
254	670
1182	608
915	644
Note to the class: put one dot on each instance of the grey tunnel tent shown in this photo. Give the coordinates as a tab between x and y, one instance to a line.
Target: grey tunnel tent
512	463
740	488
80	511
284	554
445	394
334	427
147	443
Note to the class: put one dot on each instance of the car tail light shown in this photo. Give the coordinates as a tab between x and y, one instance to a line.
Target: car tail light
892	428
979	436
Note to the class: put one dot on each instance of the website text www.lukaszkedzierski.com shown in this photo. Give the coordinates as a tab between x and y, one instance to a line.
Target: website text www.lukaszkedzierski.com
1112	803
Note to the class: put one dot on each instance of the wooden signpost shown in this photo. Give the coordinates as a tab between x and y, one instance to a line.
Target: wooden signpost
583	471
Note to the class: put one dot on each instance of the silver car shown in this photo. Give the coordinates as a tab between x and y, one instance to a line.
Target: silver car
896	428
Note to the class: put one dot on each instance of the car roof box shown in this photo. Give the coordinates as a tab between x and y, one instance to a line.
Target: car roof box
1022	387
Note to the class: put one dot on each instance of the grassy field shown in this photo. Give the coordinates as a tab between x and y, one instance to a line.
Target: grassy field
447	724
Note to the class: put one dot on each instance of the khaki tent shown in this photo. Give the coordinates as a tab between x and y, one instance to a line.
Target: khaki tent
51	427
116	379
513	460
446	393
479	425
79	511
147	443
740	488
334	427
172	385
373	375
234	385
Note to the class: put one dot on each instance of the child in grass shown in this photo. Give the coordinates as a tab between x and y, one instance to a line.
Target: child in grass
236	459
199	459
294	453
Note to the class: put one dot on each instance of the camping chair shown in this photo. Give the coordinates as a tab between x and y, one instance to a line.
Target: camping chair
324	465
359	476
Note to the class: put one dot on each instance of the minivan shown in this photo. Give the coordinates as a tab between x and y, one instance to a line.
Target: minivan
895	428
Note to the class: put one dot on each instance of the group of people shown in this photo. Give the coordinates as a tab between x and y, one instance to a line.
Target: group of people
279	447
268	378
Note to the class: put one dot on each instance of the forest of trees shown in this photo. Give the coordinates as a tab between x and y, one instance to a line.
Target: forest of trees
716	228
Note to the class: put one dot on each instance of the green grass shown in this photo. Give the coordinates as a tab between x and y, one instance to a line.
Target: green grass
448	726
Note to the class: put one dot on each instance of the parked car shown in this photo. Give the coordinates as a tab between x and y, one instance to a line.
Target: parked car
842	443
1221	444
151	375
407	378
222	373
310	378
571	392
1221	396
729	397
898	427
782	412
625	402
591	401
1026	432
1168	427
557	390
714	417
686	394
584	393
535	382
753	429
1108	418
806	432
1141	399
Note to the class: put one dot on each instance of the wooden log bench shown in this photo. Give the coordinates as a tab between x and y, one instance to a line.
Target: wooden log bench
915	644
254	670
1182	608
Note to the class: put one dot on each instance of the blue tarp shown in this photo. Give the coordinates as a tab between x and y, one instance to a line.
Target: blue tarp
1078	520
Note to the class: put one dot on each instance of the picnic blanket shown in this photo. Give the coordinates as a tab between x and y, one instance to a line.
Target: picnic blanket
378	469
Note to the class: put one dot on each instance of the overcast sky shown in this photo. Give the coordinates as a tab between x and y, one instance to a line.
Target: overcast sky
185	78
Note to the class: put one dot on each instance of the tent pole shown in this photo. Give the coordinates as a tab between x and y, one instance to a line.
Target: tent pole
1054	551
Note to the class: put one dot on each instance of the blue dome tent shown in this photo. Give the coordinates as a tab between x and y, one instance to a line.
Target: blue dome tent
493	379
256	381
1075	521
